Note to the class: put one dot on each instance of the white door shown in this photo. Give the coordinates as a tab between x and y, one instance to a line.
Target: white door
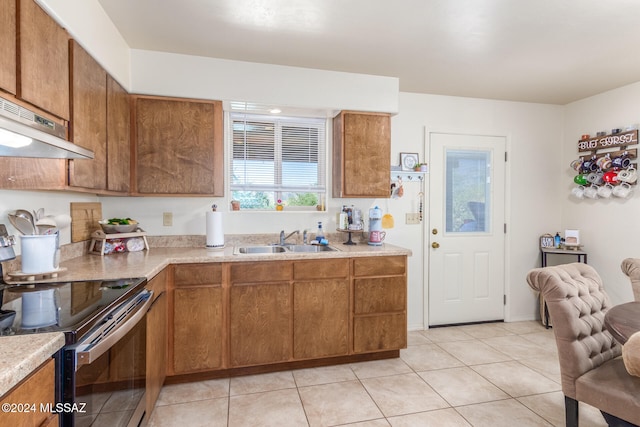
465	246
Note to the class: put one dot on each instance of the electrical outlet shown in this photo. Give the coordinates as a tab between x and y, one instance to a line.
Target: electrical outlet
167	219
412	218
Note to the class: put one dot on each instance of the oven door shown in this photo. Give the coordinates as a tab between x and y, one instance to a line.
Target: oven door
104	373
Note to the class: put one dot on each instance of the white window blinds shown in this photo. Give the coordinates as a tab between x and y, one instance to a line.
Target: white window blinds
277	154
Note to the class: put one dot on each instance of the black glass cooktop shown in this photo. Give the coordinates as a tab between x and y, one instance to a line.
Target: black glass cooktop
70	307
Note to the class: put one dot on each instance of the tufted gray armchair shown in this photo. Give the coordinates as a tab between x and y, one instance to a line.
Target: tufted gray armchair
591	369
631	267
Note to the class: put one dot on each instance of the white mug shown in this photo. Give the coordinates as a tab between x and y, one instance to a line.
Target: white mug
628	175
591	192
578	192
605	191
623	190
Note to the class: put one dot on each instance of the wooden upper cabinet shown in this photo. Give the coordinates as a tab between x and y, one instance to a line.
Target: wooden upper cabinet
118	137
43	78
177	146
89	119
361	154
8	34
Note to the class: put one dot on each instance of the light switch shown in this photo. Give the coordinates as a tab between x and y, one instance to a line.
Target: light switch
412	218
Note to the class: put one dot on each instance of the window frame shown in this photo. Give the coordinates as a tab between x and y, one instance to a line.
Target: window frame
279	188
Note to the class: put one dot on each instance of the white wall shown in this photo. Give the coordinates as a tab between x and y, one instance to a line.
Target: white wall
170	74
534	133
608	228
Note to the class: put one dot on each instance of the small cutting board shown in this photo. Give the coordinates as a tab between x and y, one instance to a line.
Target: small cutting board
84	220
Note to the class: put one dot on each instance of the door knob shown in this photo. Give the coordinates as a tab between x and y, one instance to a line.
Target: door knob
435	245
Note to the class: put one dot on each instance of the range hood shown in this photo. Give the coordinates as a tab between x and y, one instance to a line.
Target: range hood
24	133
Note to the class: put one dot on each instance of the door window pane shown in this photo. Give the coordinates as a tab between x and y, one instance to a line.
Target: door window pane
467	191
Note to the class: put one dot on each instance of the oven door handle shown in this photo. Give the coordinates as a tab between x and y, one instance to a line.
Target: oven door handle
93	352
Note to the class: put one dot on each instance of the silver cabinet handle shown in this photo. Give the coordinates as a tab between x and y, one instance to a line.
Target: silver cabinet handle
88	352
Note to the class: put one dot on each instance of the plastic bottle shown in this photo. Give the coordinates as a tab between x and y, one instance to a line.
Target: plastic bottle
557	240
320	232
343	221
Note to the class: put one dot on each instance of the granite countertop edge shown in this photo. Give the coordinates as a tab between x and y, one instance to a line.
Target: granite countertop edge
22	354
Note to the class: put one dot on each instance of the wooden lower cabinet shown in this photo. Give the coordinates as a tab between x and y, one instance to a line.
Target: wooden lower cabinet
379	304
37	388
260	324
321	308
238	315
156	340
260	313
196	319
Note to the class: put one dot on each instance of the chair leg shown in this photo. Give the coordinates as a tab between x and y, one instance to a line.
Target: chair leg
613	421
571	412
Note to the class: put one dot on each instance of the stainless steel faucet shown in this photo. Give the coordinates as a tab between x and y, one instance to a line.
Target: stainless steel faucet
283	238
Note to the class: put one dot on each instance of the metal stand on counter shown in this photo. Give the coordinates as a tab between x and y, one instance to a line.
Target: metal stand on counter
349	241
582	257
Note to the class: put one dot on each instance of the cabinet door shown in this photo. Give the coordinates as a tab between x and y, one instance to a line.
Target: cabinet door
8	66
178	146
89	119
44	60
156	349
38	388
361	154
197	329
320	318
118	137
260	323
32	174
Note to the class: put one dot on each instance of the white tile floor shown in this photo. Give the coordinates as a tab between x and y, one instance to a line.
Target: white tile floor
498	374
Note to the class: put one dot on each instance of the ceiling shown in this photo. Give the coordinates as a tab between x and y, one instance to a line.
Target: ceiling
546	51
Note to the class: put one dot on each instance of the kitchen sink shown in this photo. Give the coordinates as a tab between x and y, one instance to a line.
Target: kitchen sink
310	248
278	249
261	249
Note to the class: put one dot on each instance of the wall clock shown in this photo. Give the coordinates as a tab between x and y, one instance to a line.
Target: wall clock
546	241
408	161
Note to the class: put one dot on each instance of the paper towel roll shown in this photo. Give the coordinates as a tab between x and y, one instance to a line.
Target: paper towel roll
215	232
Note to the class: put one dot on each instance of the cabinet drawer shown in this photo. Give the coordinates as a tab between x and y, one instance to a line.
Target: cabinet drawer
379	266
325	269
378	333
197	274
258	272
380	295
